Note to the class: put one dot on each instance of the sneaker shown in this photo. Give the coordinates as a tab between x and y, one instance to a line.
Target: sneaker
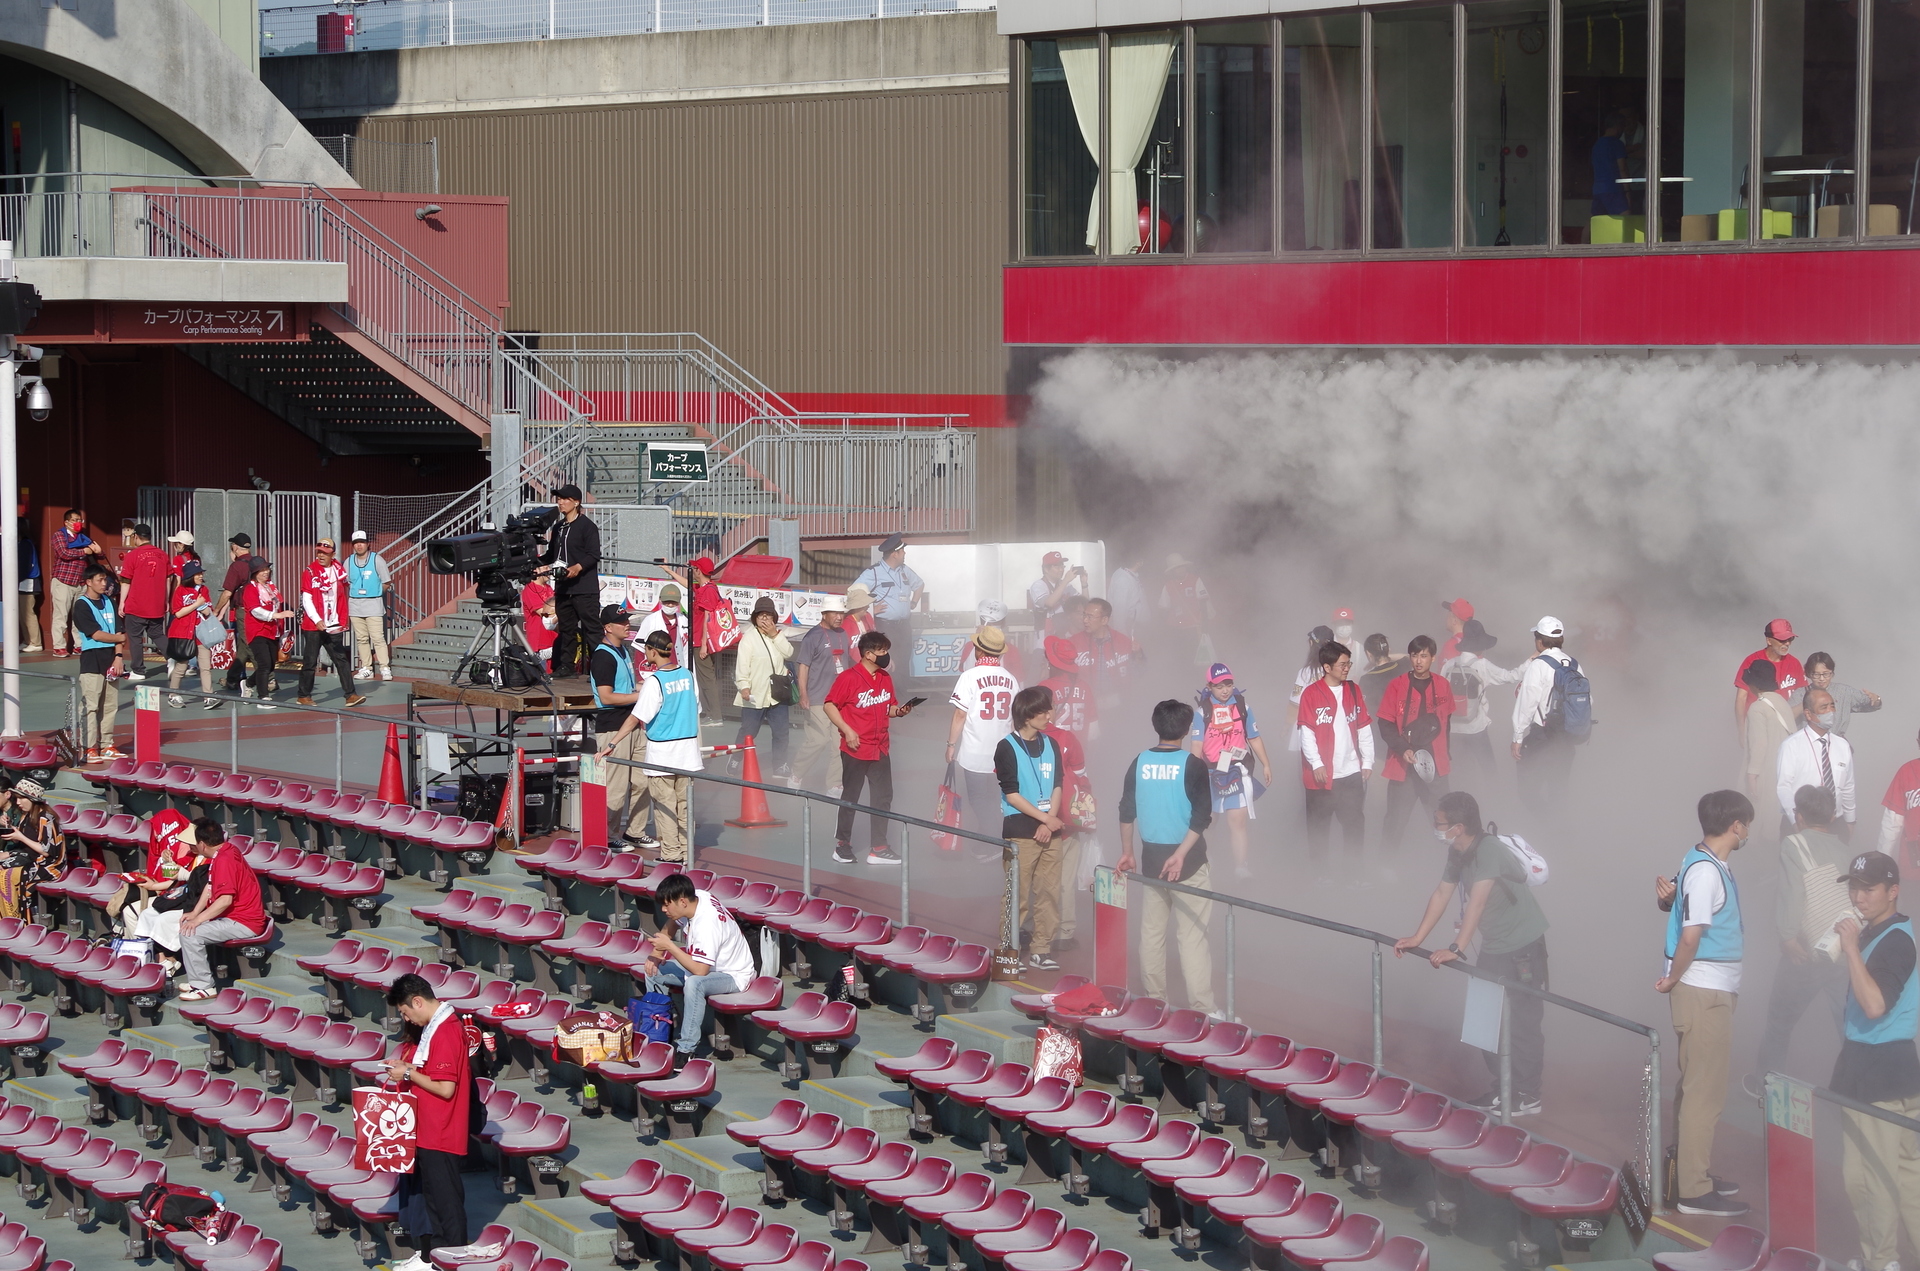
210	703
114	752
833	792
176	700
783	773
304	701
31	648
1722	1186
843	853
358	699
386	672
364	673
246	690
94	756
1523	1104
793	783
883	855
1712	1206
63	653
135	676
264	705
1042	962
204	995
415	1263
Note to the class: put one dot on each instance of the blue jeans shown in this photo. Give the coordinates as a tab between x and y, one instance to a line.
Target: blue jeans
751	717
696	990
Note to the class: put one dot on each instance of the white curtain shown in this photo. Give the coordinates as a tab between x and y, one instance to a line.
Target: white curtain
1329	133
1080	59
1137	63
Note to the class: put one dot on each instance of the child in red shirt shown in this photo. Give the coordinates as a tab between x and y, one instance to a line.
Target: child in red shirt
861	705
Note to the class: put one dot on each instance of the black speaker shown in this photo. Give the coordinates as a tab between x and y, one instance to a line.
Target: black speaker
19	306
539	809
480	795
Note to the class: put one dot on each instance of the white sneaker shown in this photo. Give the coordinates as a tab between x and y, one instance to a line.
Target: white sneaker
134	676
246	689
415	1263
176	700
31	648
833	792
386	672
364	673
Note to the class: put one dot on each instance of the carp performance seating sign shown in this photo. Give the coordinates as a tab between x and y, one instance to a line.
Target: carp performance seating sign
676	462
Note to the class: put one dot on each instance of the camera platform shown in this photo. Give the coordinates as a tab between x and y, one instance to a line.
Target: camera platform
572	694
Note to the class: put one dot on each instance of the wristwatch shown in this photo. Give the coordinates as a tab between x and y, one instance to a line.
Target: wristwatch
1453	948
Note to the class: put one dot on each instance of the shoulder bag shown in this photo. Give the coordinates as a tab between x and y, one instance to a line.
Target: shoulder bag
781	693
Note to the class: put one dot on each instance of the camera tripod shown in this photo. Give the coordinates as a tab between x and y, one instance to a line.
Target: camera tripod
499	631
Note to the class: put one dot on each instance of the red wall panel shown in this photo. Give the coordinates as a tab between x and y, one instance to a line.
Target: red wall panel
1737	298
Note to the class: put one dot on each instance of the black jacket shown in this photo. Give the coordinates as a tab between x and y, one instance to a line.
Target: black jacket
576	542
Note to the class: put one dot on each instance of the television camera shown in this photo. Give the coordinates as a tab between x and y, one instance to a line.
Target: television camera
501	563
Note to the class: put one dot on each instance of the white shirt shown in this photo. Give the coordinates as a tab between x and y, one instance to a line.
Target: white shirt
1347	760
1703	891
985	693
1800	766
713	937
1129	601
657	621
1479	708
684	753
1038	591
1530	704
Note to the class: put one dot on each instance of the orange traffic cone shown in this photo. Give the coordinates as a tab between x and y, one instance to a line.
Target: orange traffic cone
393	782
506	820
754	813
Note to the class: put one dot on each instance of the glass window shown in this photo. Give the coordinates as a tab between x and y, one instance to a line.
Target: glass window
1413	128
1144	117
1507	92
1807	84
1603	133
1233	137
1062	144
1706	56
1895	130
1320	113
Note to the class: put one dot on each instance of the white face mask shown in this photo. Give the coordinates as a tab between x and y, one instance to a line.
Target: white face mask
1824	719
1443	835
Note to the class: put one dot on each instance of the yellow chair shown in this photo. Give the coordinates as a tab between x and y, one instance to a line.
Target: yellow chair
1616	229
1733	224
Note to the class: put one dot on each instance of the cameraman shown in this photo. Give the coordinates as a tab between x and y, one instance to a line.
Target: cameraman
572	562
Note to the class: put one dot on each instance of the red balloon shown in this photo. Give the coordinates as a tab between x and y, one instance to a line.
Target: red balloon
1146	227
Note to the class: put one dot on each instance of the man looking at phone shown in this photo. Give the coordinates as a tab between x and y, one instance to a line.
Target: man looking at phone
861	705
1880	1161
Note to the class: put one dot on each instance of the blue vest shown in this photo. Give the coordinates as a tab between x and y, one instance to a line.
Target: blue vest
363	581
1721	942
1161	809
679	715
1037	776
108	622
1902	1018
622	674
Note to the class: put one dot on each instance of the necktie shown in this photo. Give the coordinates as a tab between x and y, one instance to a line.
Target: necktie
1826	768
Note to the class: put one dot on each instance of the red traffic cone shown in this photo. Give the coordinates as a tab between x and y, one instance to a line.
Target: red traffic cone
754	813
506	820
393	781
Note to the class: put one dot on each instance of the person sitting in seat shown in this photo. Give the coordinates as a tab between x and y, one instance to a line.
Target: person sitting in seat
710	956
229	909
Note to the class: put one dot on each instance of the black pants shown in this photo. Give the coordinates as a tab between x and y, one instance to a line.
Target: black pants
579	631
876	775
311	642
1546	760
265	651
1401	796
139	631
438	1174
237	669
1346	800
1525	1035
1795	985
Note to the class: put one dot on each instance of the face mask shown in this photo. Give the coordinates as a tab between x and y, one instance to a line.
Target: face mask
670	609
1825	719
883	661
1443	836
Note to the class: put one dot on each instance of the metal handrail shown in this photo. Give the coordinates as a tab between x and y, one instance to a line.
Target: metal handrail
1380	940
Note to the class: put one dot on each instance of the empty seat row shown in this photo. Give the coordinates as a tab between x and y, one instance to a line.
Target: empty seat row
515	1254
74	968
660	1093
213	1119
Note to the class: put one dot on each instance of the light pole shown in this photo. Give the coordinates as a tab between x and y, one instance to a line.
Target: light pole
17	308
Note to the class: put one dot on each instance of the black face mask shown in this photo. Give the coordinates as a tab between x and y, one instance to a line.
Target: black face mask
881	661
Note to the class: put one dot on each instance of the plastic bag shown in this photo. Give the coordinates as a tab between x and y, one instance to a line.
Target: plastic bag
385	1127
1056	1053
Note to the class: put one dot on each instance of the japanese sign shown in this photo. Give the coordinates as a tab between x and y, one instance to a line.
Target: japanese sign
235	322
681	461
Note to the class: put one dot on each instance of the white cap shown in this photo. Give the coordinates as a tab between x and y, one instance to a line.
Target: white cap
991	612
1549	627
181	536
359	536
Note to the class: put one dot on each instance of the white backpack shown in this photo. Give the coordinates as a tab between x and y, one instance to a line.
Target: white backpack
1531	862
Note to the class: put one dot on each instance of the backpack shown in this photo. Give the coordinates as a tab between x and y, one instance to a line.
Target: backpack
1572	699
165	1208
1531	862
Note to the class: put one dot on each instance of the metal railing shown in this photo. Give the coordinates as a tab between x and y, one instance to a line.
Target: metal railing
1650	1093
405	24
410	167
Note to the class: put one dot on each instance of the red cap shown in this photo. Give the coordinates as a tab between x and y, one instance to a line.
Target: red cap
1054	558
1061	653
702	563
1461	609
1343	615
1779	629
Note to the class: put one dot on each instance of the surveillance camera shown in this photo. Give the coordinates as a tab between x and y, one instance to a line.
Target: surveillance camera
422	213
39	402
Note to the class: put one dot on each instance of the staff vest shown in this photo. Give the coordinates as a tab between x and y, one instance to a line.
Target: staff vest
1722	941
1902	1018
363	581
1038	777
622	674
679	714
108	623
1162	811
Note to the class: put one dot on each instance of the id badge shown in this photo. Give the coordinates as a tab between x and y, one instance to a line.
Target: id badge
1045	805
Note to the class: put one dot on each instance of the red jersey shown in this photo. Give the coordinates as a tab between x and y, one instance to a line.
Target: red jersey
177	563
1073	708
323	596
858	624
1074	779
260	596
145	569
181	625
1903	796
1406	700
863	699
1107	662
539	639
1318	711
230	875
440	1125
1792	677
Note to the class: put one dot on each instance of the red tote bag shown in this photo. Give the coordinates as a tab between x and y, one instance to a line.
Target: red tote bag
385	1129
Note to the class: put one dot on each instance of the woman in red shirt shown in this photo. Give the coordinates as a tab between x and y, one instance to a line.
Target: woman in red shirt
432	1060
191	602
536	604
263	610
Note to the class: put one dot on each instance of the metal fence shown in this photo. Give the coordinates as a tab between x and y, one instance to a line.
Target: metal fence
406	24
402	167
283	524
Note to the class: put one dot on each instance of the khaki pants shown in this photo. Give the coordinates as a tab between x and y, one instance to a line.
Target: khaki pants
1881	1166
99	706
1069	906
1704	1020
1040	890
819	743
1191	915
64	594
672	818
370	639
628	789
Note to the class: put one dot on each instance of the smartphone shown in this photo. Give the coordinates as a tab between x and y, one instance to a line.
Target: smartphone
914	701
